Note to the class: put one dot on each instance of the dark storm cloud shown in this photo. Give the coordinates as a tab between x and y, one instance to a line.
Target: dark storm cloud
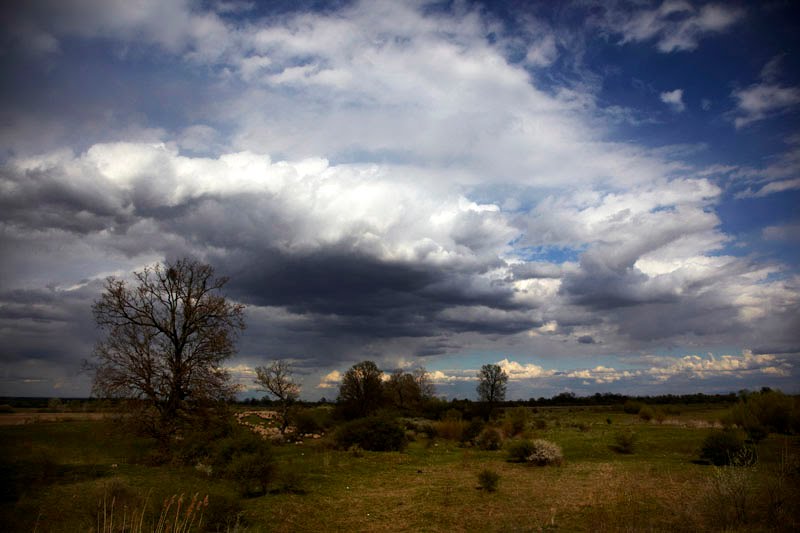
354	294
46	333
40	199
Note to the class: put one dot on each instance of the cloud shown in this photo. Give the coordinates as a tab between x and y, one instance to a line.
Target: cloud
330	380
542	53
675	25
517	371
788	232
674	99
762	101
778	176
379	180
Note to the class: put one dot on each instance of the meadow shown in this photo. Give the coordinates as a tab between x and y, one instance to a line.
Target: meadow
74	474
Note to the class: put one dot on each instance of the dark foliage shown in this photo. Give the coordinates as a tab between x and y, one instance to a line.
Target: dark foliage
372	433
721	447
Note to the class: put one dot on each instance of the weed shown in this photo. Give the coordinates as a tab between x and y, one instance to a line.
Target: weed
488	480
625	441
730	490
175	517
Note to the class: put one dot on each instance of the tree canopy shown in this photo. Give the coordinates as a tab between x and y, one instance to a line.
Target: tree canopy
167	334
492	380
361	391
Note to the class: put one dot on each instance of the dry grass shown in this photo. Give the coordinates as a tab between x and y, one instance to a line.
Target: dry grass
433	486
19	419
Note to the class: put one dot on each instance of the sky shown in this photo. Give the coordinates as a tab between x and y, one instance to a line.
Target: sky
598	196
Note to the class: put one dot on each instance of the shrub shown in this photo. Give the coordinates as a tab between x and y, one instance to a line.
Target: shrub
471	432
451	429
537	452
731	488
452	414
373	433
646	413
488	480
489	439
631	407
545	453
540	424
305	422
246	459
252	472
516	420
721	447
427	429
520	450
767	411
625	441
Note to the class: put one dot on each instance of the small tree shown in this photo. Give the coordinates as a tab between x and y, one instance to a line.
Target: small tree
426	388
276	380
167	335
361	390
492	382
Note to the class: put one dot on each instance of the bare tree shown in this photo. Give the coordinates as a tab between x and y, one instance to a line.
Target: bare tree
492	381
276	380
426	388
167	336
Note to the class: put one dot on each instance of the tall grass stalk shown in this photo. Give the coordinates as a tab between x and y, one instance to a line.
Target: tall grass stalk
174	517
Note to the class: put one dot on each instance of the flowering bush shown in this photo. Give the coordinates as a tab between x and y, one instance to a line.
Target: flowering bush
538	452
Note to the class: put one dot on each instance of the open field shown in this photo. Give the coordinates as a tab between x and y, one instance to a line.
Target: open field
32	416
58	475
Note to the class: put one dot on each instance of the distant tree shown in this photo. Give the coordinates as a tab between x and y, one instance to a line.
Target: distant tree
492	382
407	390
167	336
361	390
276	380
426	388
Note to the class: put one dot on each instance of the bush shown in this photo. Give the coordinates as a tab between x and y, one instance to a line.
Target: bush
471	432
721	447
489	439
760	413
631	407
537	452
426	428
625	441
488	480
252	472
516	419
451	429
246	459
311	420
520	450
373	433
646	413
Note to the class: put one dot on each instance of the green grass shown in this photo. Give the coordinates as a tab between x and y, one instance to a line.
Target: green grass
57	475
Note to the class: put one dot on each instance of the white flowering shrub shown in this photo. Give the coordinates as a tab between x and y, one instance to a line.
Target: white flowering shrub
538	452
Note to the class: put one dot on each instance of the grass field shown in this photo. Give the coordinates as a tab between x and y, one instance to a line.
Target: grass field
59	475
